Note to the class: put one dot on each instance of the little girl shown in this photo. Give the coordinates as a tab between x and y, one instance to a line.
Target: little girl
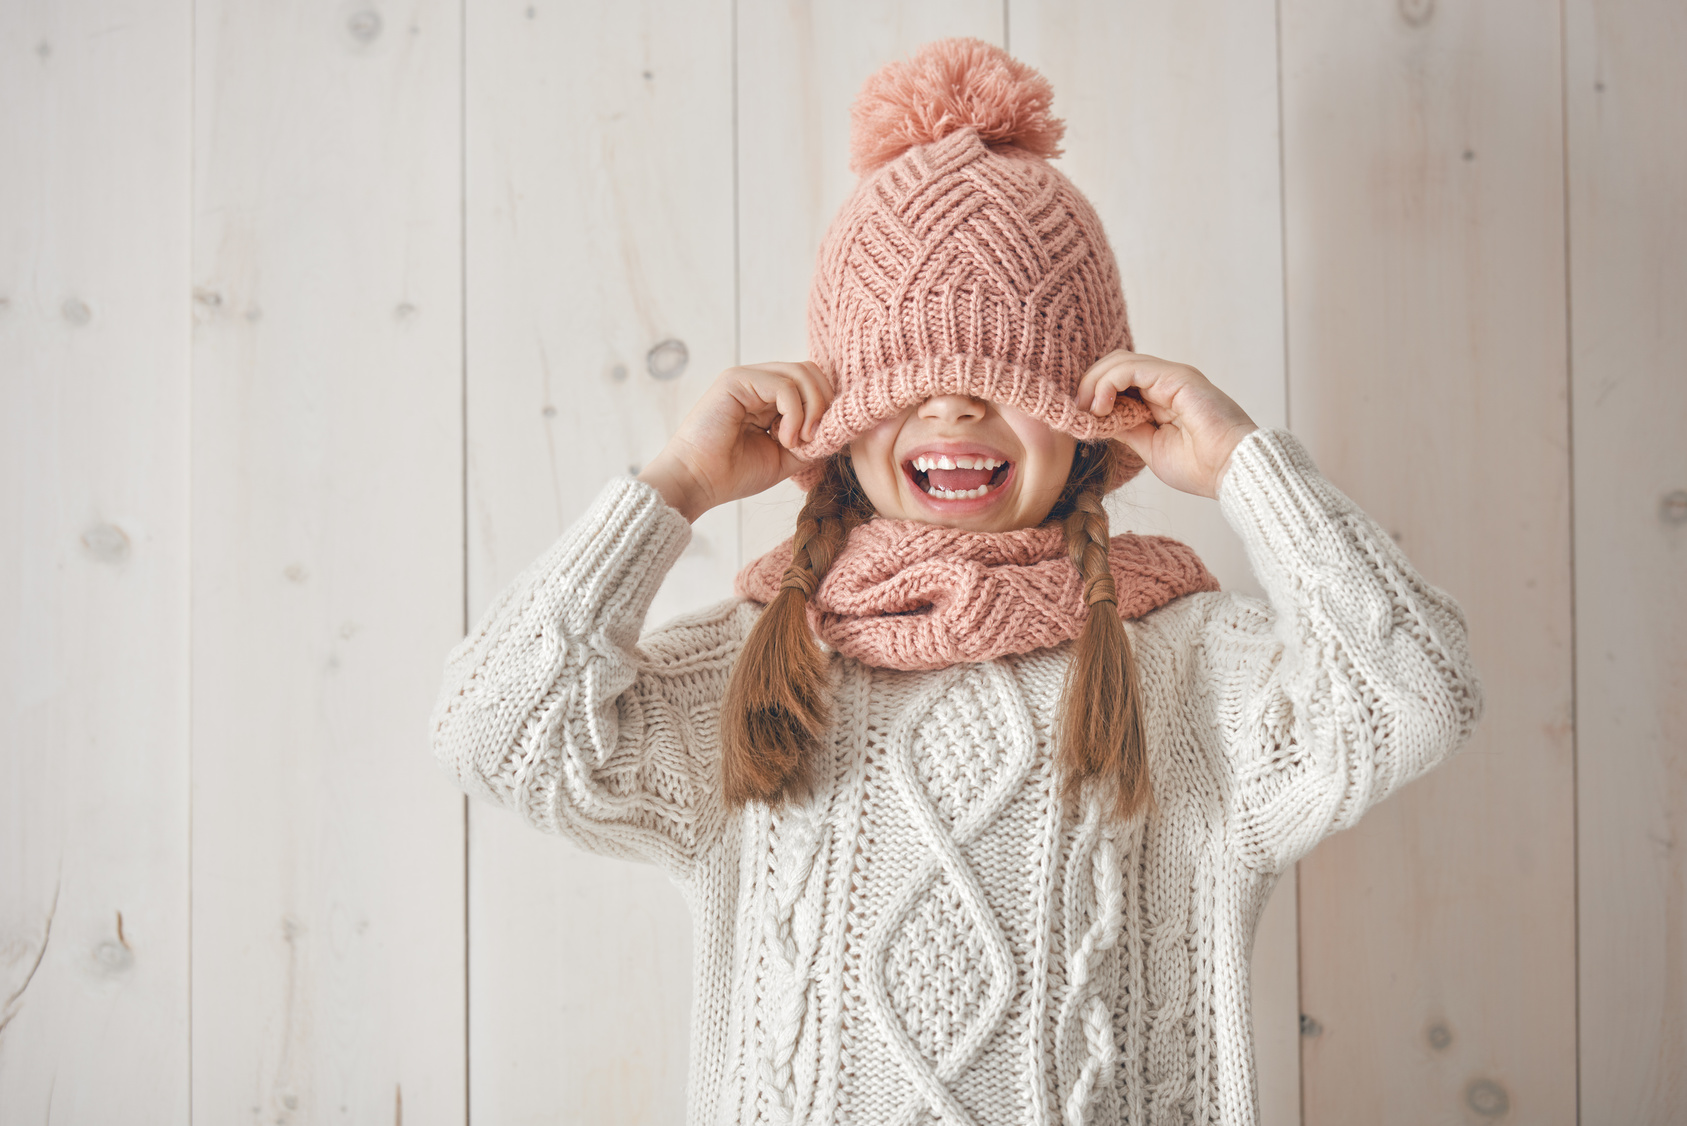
993	848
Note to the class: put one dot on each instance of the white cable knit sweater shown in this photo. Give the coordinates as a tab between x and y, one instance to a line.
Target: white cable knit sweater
932	937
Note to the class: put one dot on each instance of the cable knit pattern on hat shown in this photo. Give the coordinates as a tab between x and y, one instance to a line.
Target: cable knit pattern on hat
931	933
903	594
965	263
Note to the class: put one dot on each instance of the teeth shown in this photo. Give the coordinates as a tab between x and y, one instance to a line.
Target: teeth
926	464
960	494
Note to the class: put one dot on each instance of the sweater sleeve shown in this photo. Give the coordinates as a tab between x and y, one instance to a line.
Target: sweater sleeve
1353	681
552	707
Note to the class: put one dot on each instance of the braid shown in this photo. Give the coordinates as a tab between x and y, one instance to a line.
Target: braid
777	709
1101	737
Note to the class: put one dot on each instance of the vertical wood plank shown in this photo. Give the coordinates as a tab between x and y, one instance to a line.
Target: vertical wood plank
1425	283
1172	132
1627	105
95	141
799	68
601	303
327	537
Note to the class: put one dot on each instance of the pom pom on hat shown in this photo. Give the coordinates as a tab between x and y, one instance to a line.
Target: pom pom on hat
947	86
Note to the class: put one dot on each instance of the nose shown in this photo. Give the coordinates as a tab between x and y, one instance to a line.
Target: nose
953	408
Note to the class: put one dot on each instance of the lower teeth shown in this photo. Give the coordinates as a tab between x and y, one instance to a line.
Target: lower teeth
931	490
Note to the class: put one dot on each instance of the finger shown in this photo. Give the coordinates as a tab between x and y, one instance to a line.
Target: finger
811	384
1140	439
821	378
791	413
1096	373
816	394
757	391
790	464
1105	396
1158	380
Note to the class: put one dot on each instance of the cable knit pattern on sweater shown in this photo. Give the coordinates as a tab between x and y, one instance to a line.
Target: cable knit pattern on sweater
932	935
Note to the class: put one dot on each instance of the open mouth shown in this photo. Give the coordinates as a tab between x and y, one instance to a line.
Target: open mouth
958	477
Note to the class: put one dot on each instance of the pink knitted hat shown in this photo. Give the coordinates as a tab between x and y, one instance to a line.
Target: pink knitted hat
963	263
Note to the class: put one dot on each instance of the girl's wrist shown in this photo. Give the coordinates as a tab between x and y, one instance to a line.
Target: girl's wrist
677	485
1224	466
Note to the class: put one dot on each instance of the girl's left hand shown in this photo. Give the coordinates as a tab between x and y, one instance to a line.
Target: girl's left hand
1195	425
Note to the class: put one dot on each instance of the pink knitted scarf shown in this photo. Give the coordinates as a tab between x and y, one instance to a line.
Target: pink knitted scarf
903	594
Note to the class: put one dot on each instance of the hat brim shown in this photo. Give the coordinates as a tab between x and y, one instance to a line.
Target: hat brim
892	390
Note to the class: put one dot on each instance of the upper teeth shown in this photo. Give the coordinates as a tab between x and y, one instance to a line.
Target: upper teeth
926	464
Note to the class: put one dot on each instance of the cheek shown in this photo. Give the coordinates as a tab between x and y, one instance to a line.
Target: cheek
874	452
1048	463
872	456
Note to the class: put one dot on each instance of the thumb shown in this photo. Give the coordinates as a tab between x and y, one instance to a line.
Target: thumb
790	464
1140	438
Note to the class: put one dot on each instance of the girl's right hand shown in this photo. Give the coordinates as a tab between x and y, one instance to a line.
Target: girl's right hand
736	441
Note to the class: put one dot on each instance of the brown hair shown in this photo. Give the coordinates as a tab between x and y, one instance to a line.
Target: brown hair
1100	740
778	707
778	704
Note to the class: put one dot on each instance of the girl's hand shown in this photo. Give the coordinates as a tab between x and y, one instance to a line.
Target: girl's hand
1195	425
736	441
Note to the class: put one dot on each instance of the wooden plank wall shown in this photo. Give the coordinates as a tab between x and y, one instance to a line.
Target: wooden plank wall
95	147
600	302
1424	235
327	561
1626	102
317	324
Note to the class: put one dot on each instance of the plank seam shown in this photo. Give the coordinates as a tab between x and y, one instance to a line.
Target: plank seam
1570	468
1288	423
463	459
737	263
192	354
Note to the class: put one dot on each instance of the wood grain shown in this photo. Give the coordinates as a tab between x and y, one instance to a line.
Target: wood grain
95	143
1627	127
600	255
327	552
1425	282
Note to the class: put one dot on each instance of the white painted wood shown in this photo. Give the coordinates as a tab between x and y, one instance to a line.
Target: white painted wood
328	919
95	143
1274	987
799	68
1627	130
600	225
1171	131
1426	340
